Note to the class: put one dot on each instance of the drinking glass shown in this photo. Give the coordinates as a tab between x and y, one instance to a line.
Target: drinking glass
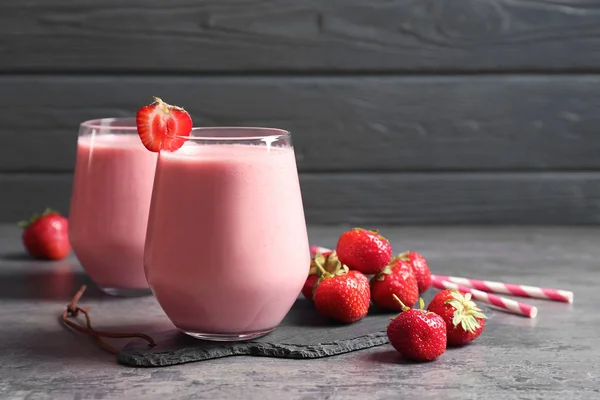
226	249
110	201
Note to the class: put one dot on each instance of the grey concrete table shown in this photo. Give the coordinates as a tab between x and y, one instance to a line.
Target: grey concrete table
555	356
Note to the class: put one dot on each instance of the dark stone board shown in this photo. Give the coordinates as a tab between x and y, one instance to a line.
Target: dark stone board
303	334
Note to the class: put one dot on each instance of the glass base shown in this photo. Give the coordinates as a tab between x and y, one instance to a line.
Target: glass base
126	292
227	337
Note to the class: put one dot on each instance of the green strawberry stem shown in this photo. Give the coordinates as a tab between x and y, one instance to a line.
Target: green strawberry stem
322	271
466	312
375	231
319	259
402	256
35	217
404	307
387	270
334	266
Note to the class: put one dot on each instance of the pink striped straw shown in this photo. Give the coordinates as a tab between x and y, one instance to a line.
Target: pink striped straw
318	249
510	288
501	302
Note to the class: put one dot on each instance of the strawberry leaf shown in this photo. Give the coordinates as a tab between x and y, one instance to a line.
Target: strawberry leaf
387	270
466	311
402	256
35	217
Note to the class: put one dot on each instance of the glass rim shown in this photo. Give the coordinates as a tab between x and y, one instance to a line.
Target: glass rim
129	124
265	134
122	124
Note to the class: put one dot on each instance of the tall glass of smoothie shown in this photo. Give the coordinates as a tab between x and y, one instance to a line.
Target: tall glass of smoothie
227	249
114	174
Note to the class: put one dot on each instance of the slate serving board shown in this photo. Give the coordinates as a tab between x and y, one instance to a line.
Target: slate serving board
303	334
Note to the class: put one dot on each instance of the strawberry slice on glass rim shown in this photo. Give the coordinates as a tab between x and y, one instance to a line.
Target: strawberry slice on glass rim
162	126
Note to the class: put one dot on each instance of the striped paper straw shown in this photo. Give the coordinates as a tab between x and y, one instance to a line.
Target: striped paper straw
506	304
511	288
318	249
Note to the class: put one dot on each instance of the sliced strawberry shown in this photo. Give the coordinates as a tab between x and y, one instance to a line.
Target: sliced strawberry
161	125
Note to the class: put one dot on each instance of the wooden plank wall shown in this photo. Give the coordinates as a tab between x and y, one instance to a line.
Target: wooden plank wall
405	111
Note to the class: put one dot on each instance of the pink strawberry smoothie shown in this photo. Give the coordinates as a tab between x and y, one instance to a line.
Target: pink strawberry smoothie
109	209
227	249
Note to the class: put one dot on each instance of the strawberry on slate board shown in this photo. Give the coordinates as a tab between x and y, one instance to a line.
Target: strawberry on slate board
159	124
314	274
419	267
342	295
309	285
363	250
418	334
464	320
46	236
398	279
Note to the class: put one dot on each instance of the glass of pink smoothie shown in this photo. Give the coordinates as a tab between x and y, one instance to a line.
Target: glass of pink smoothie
227	249
114	174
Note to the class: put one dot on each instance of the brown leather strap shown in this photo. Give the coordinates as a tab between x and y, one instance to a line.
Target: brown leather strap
73	310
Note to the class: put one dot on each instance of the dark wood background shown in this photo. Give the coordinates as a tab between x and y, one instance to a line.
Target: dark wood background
408	111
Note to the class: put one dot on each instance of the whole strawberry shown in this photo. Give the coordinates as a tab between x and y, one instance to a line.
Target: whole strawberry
342	295
396	279
309	284
419	267
364	251
46	236
464	320
417	334
314	274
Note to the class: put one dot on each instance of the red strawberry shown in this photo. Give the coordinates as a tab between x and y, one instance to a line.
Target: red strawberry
464	320
46	236
307	289
161	125
363	250
327	261
342	295
419	267
397	279
418	335
314	274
